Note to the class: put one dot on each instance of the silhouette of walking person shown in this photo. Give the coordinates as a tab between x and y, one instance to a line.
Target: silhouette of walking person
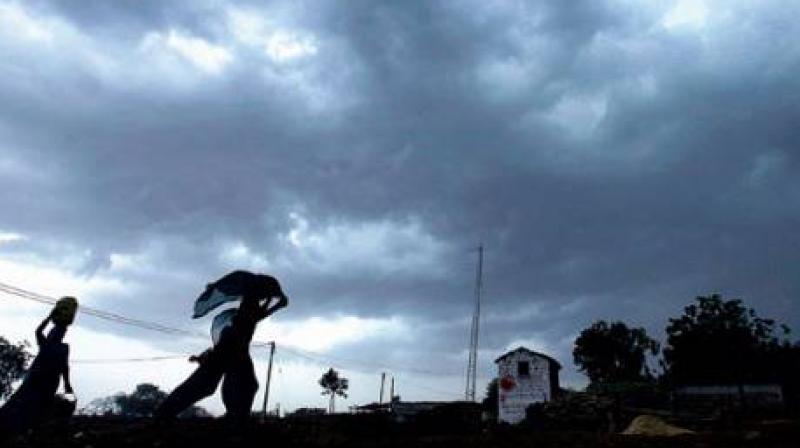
230	356
32	402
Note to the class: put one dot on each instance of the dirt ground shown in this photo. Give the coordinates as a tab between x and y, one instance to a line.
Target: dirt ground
368	431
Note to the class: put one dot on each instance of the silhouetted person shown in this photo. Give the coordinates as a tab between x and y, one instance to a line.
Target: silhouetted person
230	357
32	402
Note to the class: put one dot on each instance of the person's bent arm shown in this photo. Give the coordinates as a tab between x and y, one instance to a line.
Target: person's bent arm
40	331
65	375
202	357
65	371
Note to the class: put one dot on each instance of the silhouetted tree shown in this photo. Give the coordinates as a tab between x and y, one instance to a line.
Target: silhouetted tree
333	385
104	406
195	411
491	404
142	402
13	361
722	341
614	353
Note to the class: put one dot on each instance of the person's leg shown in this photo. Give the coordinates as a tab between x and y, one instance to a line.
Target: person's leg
239	389
200	384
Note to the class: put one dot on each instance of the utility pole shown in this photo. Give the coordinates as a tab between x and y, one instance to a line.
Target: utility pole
472	364
391	391
269	378
383	380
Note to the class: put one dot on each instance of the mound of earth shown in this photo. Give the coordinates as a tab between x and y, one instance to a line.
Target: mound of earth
650	425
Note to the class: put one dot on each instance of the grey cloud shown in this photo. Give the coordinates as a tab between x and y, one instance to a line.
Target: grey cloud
443	114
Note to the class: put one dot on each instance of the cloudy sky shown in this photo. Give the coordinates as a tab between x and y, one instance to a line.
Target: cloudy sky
616	158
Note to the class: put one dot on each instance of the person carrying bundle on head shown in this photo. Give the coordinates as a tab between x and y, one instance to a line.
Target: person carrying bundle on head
229	359
33	401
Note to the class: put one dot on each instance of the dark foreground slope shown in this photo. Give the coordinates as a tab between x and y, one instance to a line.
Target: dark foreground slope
365	431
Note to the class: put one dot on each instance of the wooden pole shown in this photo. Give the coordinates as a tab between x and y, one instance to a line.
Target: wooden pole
391	395
269	379
383	380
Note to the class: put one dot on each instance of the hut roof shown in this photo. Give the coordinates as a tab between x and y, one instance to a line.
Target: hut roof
530	352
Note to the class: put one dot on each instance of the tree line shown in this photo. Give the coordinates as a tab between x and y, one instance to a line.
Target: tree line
714	341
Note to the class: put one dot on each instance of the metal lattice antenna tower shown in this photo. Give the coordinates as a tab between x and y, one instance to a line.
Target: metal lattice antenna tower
472	365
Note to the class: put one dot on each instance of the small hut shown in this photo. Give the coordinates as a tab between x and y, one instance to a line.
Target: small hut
524	377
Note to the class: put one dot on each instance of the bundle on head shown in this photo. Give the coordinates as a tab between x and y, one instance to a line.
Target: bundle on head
65	310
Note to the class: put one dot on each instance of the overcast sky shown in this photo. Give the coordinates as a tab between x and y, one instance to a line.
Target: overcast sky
616	158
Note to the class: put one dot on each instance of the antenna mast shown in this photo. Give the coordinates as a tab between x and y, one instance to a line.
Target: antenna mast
473	337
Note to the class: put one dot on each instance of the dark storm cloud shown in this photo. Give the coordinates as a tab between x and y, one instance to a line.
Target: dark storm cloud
613	168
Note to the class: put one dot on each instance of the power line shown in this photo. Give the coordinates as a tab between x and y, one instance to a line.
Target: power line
117	318
369	364
113	317
126	360
325	362
315	357
441	392
412	384
449	394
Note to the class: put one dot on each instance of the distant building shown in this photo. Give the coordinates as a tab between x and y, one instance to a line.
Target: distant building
524	377
371	408
404	411
307	412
